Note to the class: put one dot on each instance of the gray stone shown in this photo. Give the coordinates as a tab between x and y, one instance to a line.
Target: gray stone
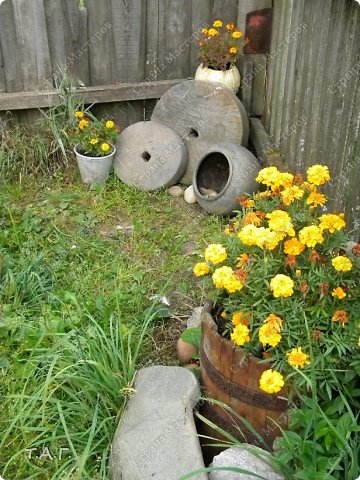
189	195
195	319
176	191
149	156
242	457
156	438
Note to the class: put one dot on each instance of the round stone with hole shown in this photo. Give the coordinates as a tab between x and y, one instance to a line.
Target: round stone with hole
202	113
150	155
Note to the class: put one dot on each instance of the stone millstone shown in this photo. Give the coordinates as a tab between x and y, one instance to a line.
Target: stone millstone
156	438
202	113
149	156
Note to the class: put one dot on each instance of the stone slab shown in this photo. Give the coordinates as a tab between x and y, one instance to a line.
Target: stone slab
156	438
241	457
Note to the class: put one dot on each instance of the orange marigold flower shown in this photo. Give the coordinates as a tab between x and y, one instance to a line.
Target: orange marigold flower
242	260
332	222
267	355
316	199
233	50
340	316
298	178
246	202
230	27
251	218
293	247
83	123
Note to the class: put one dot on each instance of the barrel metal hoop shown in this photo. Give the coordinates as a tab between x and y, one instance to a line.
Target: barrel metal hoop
244	394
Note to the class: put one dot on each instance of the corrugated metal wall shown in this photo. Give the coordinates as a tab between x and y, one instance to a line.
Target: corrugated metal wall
313	92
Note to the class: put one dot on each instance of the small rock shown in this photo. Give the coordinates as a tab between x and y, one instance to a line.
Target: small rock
185	352
189	195
208	192
241	457
195	319
176	191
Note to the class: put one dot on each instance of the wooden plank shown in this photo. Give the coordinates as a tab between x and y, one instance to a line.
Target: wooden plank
33	44
99	33
129	34
200	17
2	70
177	39
226	10
9	48
258	84
73	34
246	86
83	52
101	94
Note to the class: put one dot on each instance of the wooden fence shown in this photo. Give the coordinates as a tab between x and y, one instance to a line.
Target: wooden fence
306	90
313	93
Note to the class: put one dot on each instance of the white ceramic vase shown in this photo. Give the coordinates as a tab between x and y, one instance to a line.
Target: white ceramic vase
230	78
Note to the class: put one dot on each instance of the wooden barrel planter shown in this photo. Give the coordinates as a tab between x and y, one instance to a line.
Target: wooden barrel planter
228	377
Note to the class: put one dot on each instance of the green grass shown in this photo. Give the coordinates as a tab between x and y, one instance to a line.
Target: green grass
78	269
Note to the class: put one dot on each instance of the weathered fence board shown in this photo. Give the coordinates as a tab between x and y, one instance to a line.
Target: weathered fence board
312	111
227	10
200	16
9	48
177	38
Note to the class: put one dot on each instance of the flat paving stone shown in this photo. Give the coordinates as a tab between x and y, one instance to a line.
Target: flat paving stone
241	457
156	438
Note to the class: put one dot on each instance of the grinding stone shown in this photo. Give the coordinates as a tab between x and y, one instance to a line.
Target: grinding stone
150	155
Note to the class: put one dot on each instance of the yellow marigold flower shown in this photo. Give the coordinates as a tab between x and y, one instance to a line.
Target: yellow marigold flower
94	141
213	32
297	358
359	342
339	293
109	124
331	222
215	253
233	50
290	194
79	114
298	273
201	269
318	174
105	147
271	381
217	24
240	335
205	31
224	315
219	275
316	199
284	179
311	236
247	235
341	264
293	247
267	175
268	335
232	284
83	123
237	34
230	27
282	286
280	221
269	239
